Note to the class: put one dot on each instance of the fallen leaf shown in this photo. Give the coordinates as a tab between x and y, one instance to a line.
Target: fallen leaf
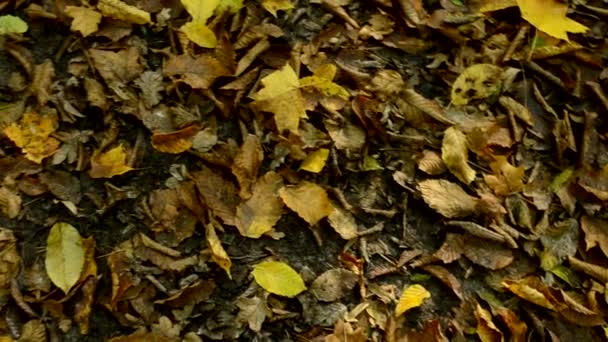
412	297
447	198
193	294
199	71
344	332
33	135
531	289
315	161
218	193
10	203
281	96
117	9
308	200
322	81
218	253
333	284
486	329
549	16
263	209
200	34
85	20
118	67
197	30
12	24
278	278
110	163
273	6
42	81
343	222
253	311
477	82
65	256
455	155
486	253
247	163
596	233
506	179
10	261
175	142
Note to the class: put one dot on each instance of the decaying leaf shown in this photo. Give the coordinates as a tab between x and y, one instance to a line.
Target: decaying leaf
282	96
219	194
10	203
197	30
65	256
199	71
431	163
177	141
253	311
278	278
333	284
533	290
247	163
455	155
218	253
489	254
10	262
308	200
596	233
119	10
412	297
110	163
477	82
33	135
263	209
117	67
85	20
447	198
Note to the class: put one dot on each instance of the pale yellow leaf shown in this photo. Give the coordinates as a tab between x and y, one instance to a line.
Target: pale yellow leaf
343	223
109	164
308	200
117	9
273	6
278	278
85	20
218	253
412	297
262	211
447	198
549	16
315	161
281	95
496	5
200	34
12	24
455	155
200	10
322	81
65	256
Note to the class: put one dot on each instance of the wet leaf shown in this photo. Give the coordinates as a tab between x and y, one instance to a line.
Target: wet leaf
110	163
477	82
278	278
455	155
65	256
85	20
281	96
117	9
447	198
33	135
549	16
12	24
273	6
218	253
412	297
263	209
308	200
315	161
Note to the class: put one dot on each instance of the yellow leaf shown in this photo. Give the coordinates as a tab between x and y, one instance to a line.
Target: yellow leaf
85	21
273	6
218	253
412	297
119	10
65	256
507	178
477	82
315	161
32	135
455	155
262	211
200	10
281	95
12	24
496	5
109	164
278	278
549	16
200	34
322	81
486	329
308	200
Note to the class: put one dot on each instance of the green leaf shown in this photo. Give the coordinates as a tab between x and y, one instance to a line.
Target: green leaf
278	278
65	256
11	24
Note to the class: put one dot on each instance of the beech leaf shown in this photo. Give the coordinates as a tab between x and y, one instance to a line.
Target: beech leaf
65	256
278	278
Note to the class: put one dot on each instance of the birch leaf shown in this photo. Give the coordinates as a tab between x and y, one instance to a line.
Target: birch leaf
65	256
315	161
278	278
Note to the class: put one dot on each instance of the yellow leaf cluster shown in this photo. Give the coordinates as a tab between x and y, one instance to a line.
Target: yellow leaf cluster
65	256
33	135
412	297
109	164
200	11
278	278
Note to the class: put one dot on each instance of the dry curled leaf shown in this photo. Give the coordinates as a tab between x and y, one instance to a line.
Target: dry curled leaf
218	253
447	198
455	155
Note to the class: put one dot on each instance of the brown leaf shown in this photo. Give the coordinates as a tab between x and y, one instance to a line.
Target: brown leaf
10	203
199	72
10	262
263	209
42	80
596	232
175	142
63	185
219	194
333	284
533	290
344	332
343	222
308	200
429	107
447	198
455	155
33	135
488	254
447	278
117	67
506	179
451	249
193	294
598	272
247	163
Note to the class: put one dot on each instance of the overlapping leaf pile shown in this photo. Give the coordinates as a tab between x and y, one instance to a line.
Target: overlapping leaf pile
227	169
